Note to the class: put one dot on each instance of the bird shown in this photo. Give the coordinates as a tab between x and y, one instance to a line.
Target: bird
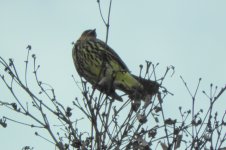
102	67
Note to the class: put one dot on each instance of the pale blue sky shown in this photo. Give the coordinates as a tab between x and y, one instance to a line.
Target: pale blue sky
188	34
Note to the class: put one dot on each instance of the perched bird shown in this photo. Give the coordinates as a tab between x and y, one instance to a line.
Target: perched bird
104	69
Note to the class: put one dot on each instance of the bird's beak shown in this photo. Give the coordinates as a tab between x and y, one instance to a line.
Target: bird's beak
93	32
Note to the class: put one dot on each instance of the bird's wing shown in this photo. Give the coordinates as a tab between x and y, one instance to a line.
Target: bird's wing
110	52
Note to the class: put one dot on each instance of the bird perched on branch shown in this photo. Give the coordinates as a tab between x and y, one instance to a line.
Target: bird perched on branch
104	69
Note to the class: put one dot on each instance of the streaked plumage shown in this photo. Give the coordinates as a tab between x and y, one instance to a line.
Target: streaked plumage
103	68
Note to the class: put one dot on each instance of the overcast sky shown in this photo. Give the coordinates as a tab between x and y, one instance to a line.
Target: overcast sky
188	34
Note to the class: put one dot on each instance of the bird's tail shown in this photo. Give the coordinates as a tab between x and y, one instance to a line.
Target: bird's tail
149	87
136	87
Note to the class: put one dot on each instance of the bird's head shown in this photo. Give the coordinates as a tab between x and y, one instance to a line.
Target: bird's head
88	34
